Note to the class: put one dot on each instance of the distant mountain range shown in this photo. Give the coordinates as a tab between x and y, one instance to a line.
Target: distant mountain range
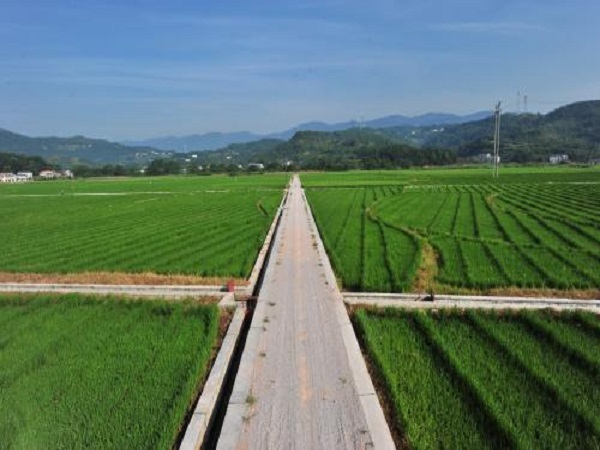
212	141
573	130
429	139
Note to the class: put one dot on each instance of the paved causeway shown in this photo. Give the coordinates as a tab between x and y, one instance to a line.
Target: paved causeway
296	387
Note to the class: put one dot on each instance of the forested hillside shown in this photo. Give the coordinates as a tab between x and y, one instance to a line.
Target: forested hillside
573	130
76	150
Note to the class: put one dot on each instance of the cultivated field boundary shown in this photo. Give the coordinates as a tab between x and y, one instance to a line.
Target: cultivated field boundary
417	301
378	427
157	290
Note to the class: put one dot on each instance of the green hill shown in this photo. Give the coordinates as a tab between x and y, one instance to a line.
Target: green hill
13	163
573	129
76	150
356	148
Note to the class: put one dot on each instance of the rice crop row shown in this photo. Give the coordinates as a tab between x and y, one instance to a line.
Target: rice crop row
448	177
139	185
367	253
501	239
486	236
195	233
486	380
85	372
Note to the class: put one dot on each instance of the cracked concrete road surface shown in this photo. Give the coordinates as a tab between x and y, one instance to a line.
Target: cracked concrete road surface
295	388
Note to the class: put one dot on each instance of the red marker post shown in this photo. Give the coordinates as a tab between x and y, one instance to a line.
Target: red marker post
230	285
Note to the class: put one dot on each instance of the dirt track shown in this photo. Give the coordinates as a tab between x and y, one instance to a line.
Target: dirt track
295	387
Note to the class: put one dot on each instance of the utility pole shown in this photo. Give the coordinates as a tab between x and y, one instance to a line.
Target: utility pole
497	112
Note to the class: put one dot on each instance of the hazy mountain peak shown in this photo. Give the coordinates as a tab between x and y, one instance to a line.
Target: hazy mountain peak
215	140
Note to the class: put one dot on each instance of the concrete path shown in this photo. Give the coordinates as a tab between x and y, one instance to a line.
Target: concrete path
178	291
463	301
302	383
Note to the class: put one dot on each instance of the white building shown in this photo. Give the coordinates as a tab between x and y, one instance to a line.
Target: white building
8	178
49	174
25	176
557	159
486	158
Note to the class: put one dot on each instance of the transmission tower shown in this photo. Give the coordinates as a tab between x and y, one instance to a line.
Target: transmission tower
496	161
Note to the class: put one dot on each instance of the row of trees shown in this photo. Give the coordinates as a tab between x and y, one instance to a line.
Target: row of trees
386	157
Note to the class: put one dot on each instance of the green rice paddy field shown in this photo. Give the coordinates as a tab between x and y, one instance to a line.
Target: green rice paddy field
84	372
458	230
477	379
204	226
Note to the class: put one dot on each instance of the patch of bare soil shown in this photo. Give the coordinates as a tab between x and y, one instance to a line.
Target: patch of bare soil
491	198
147	278
427	271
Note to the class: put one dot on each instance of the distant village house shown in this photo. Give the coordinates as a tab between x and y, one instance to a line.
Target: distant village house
53	174
485	158
8	178
25	176
49	174
256	166
20	177
557	159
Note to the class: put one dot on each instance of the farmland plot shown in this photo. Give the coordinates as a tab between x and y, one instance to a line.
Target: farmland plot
484	236
201	226
367	254
83	372
488	380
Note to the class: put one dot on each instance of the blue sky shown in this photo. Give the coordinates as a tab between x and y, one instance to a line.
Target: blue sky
145	68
